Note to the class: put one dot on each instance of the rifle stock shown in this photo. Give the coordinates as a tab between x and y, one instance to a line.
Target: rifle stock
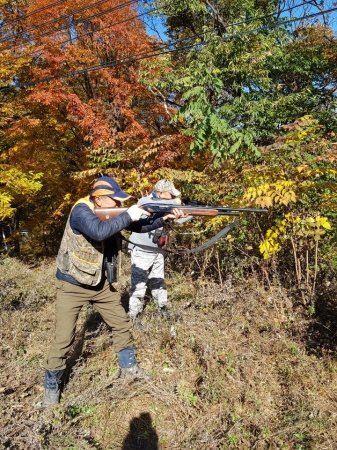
109	213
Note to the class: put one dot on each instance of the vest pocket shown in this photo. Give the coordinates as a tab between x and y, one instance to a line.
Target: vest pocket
85	266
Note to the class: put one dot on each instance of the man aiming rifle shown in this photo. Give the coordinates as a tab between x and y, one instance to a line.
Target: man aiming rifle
86	273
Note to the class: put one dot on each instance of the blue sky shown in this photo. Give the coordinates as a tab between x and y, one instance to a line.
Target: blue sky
155	26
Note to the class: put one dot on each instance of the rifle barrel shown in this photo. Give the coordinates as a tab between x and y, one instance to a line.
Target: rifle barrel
153	207
225	208
190	202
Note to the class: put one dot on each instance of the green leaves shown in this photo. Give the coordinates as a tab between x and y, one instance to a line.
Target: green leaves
247	74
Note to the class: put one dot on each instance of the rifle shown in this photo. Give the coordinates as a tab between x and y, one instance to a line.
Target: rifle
192	210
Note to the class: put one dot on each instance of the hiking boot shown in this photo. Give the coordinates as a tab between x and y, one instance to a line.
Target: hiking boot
51	397
52	388
134	373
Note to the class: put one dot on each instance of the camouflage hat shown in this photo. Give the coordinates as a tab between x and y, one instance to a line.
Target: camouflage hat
166	186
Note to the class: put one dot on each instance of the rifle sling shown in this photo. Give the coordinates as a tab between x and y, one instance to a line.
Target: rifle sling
207	244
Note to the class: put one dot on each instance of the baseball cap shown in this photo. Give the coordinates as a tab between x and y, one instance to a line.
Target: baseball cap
166	186
109	187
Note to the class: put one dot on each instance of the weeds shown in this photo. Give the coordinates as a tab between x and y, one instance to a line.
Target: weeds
245	370
22	286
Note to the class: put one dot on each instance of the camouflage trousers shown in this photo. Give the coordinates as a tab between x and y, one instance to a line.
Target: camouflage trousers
146	269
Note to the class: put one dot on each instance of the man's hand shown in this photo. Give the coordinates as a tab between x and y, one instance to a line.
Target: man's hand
175	214
136	213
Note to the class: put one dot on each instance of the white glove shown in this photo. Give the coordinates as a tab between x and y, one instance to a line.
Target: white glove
135	213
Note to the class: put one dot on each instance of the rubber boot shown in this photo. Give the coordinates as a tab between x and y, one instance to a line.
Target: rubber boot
128	366
52	387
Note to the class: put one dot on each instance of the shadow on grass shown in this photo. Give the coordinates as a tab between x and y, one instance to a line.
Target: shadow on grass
142	435
322	331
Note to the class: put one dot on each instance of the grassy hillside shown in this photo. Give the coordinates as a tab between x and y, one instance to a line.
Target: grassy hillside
238	366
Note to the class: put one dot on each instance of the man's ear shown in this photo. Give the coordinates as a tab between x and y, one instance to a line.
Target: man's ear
97	201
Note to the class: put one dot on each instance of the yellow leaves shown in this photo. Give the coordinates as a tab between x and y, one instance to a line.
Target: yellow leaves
318	222
264	202
131	176
292	228
301	168
315	227
181	176
269	248
273	239
218	222
323	221
307	172
18	182
5	205
230	238
269	194
14	184
272	233
253	192
303	128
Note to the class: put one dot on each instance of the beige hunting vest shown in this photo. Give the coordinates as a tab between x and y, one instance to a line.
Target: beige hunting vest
79	256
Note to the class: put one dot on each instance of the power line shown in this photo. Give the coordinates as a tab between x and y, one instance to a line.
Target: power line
102	13
83	35
147	55
65	16
154	9
33	12
106	11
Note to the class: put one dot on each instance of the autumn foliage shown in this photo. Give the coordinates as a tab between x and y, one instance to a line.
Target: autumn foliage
236	105
235	121
88	115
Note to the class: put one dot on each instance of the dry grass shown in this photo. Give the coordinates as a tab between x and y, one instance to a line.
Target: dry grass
237	367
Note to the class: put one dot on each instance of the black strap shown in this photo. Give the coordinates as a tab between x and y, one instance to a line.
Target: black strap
207	244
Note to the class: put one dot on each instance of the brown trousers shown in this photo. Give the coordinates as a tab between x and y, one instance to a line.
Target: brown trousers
69	300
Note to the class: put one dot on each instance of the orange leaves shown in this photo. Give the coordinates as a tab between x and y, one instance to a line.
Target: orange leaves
80	122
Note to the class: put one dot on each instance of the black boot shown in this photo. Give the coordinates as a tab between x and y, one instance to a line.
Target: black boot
52	386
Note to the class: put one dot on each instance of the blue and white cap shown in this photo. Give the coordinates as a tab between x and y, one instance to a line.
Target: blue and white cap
109	187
